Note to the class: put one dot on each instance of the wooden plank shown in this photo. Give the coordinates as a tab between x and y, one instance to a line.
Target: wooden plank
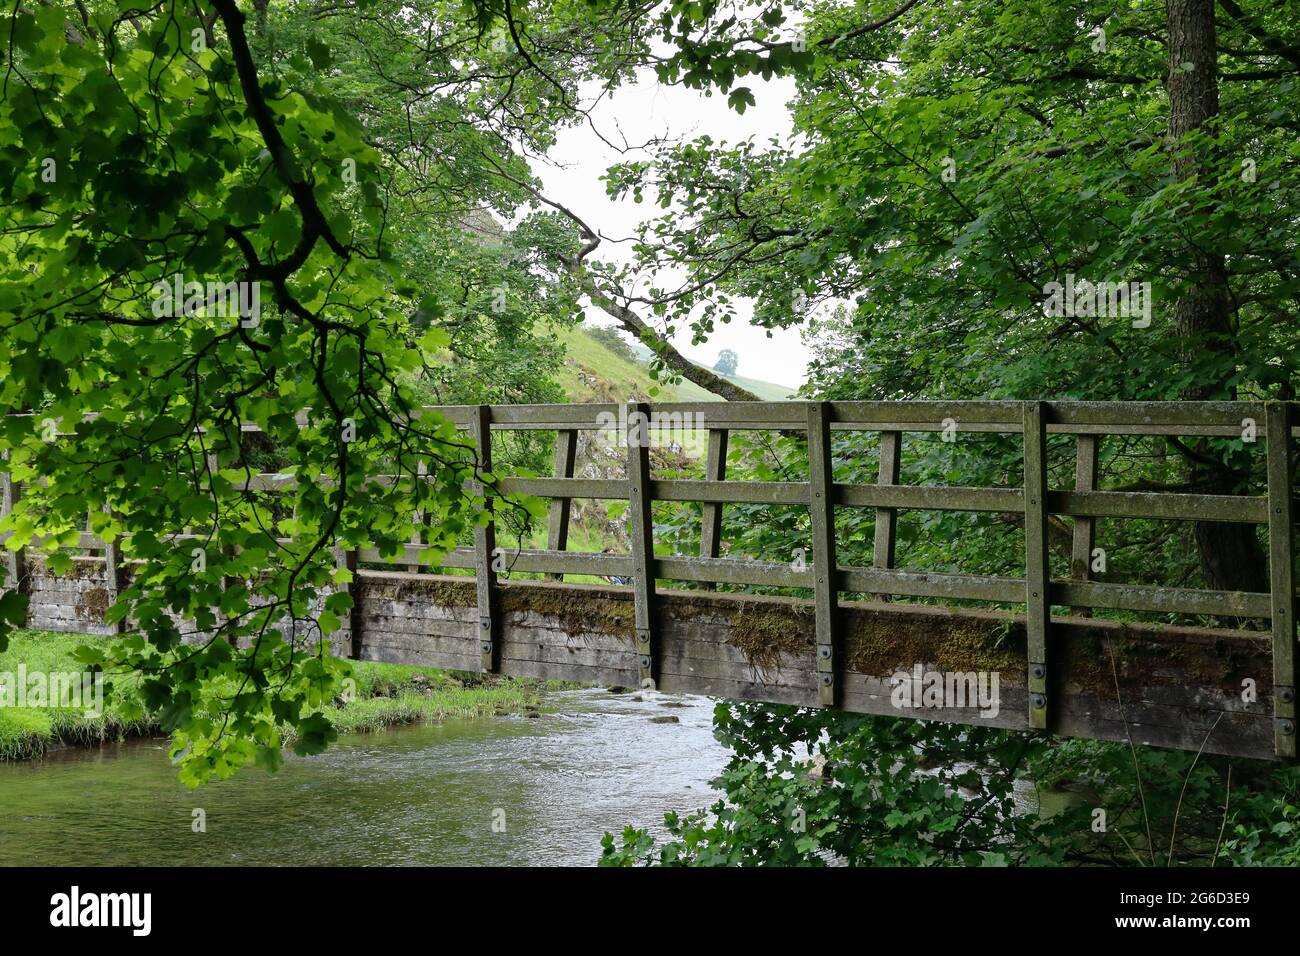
641	534
933	584
886	538
1244	509
485	545
928	413
113	573
417	538
733	571
564	487
931	498
1281	564
715	469
346	559
1084	535
15	564
1037	570
821	507
1160	600
557	529
736	492
1170	415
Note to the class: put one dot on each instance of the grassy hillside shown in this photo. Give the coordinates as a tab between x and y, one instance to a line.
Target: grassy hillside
595	373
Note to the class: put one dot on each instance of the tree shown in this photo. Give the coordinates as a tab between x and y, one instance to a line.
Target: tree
726	363
198	234
955	167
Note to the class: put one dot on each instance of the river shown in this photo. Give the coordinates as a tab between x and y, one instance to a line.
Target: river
507	790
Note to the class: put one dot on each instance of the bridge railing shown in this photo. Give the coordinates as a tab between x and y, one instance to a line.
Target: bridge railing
1090	422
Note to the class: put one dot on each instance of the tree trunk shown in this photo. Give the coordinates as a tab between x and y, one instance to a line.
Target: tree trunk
1231	558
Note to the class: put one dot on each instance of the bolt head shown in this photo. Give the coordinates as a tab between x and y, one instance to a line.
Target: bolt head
645	661
1038	701
1286	695
487	647
1037	670
824	653
1288	727
826	680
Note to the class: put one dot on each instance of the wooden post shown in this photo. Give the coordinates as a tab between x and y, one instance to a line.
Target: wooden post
715	469
1085	529
113	572
642	535
887	518
557	531
15	572
348	560
1037	569
421	470
485	545
821	506
1281	552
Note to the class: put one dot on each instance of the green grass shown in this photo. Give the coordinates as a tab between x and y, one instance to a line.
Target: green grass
386	695
617	379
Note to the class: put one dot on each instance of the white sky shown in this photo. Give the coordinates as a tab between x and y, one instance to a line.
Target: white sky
634	114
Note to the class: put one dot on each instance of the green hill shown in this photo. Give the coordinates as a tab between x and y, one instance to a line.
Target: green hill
595	371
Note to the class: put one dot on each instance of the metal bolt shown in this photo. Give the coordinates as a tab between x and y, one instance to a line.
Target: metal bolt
1037	671
1038	701
826	680
1286	695
645	662
824	653
487	647
1288	728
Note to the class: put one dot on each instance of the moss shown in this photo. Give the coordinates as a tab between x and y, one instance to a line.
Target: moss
578	612
1141	662
96	602
764	633
880	642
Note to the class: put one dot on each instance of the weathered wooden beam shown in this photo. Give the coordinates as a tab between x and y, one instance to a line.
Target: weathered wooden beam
1084	535
1281	563
641	534
1244	509
738	492
557	529
821	507
886	537
417	538
485	546
113	572
1179	687
1037	569
715	469
15	563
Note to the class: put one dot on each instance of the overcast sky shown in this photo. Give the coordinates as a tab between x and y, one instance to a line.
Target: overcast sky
640	112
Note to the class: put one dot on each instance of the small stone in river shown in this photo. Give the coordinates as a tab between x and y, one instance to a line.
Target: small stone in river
637	699
617	689
532	715
666	719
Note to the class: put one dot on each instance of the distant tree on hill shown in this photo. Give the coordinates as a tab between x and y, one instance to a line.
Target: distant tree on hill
727	362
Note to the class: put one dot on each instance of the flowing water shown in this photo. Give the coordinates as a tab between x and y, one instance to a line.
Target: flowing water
507	790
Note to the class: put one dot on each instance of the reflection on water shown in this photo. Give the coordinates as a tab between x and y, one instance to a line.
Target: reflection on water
414	795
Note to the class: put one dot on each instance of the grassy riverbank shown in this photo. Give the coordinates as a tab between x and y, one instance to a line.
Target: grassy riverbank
386	695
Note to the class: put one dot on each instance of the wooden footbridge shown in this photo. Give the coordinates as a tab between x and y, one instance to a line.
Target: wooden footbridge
1221	689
